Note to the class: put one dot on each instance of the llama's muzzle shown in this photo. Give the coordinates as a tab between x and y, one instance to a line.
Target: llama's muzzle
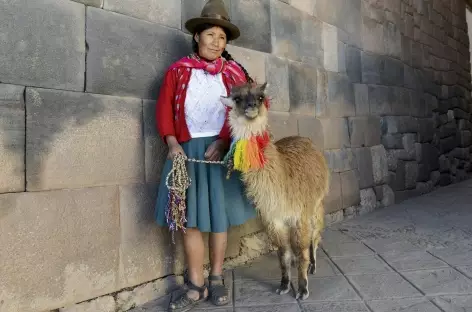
251	112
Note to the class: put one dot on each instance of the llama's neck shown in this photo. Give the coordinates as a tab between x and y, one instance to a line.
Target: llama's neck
241	128
249	142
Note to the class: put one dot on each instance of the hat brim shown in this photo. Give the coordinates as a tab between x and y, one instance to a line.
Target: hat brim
193	23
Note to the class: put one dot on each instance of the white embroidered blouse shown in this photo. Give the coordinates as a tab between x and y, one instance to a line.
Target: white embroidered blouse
204	112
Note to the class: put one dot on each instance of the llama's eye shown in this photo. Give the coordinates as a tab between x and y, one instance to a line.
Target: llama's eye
261	98
237	100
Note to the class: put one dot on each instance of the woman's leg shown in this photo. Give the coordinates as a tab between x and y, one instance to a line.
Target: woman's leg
218	243
194	254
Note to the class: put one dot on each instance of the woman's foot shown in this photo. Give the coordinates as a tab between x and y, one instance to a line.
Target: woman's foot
190	299
219	293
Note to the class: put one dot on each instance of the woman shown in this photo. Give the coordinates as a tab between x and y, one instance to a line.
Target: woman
192	121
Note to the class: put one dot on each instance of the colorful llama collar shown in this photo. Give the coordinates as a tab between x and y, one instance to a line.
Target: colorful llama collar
248	154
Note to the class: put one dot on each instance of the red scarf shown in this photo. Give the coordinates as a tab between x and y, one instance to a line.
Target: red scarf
228	68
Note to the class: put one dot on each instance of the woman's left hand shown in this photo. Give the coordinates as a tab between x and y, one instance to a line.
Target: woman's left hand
215	151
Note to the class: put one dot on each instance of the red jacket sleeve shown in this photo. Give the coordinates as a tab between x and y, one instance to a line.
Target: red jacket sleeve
164	106
225	133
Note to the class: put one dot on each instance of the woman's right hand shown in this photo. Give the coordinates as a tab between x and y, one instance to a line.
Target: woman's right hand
174	147
174	150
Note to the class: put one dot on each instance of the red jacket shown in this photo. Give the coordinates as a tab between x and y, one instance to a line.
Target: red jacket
170	112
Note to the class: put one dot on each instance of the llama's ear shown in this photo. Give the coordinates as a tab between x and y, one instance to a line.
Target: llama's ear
264	86
227	101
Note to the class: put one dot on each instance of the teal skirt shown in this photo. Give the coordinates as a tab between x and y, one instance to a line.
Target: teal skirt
214	203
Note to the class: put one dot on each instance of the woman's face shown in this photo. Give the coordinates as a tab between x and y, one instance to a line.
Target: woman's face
211	43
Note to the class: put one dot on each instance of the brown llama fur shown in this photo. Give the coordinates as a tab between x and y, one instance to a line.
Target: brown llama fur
288	191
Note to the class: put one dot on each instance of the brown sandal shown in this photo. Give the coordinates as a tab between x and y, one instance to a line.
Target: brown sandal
218	290
184	303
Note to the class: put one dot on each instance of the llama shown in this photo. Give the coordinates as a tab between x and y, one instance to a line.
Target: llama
287	180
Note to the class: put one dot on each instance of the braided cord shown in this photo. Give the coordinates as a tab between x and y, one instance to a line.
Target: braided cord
177	182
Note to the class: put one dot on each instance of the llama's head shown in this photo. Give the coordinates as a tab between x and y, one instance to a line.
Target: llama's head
249	114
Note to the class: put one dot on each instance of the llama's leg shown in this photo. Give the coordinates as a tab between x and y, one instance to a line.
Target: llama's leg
303	264
313	250
301	241
284	260
280	236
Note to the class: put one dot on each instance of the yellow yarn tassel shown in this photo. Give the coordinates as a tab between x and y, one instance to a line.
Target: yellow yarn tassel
239	159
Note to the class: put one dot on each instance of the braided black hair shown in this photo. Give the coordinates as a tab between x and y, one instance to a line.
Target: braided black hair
228	57
225	53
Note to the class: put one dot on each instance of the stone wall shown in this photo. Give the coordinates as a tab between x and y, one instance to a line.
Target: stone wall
382	86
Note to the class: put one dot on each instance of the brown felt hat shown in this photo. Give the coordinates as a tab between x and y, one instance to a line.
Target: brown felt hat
214	12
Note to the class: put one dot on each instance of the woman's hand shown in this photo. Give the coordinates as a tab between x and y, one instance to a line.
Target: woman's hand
214	152
174	147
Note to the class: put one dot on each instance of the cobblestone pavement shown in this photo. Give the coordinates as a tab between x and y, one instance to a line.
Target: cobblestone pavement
412	257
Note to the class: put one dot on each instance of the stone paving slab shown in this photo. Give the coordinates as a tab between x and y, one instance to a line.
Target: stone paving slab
380	286
412	257
454	303
397	305
441	281
362	265
416	260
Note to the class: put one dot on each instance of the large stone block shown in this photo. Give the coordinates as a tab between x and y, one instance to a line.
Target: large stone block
95	3
353	64
334	50
350	189
344	14
146	251
277	73
253	19
155	150
312	128
410	103
296	35
377	69
307	6
411	174
380	100
330	11
282	124
399	124
12	138
157	11
364	131
372	35
372	65
78	140
129	57
302	85
58	247
397	178
379	164
393	40
365	168
425	130
253	61
335	133
42	47
341	160
333	201
361	95
392	73
101	304
336	94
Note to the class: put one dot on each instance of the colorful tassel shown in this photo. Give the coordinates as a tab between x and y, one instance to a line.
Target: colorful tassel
248	154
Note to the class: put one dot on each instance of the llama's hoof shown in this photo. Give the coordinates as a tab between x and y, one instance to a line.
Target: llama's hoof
302	294
283	289
311	268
